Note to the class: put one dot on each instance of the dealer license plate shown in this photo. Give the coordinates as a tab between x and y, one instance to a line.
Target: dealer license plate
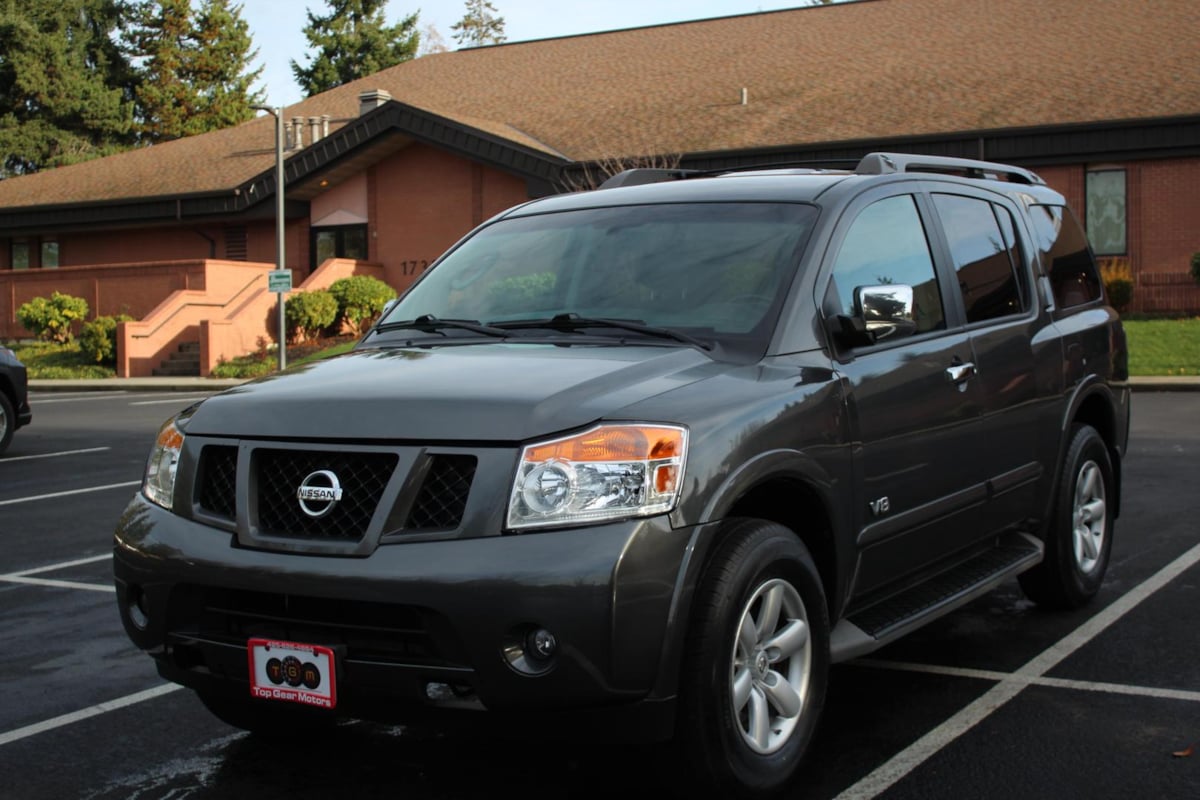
292	672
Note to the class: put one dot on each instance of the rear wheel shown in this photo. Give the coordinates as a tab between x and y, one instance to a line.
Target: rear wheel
1079	539
756	662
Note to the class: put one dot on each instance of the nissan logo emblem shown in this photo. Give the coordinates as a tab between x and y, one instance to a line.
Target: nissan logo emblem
319	493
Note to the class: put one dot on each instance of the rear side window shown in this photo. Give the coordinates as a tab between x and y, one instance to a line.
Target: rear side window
983	256
1065	256
885	245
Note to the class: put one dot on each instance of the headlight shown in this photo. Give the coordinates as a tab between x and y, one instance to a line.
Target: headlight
159	483
610	472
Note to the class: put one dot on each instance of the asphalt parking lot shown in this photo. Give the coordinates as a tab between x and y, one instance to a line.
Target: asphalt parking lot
999	700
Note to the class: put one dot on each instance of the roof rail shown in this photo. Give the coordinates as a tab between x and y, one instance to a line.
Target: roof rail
890	163
640	175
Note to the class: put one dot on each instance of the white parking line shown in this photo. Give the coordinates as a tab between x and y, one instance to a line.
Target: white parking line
86	713
56	455
1054	683
172	400
79	562
904	762
91	587
124	485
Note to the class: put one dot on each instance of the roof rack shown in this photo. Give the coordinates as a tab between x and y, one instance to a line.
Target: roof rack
891	163
871	164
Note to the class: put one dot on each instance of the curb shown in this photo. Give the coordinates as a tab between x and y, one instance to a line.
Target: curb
1137	384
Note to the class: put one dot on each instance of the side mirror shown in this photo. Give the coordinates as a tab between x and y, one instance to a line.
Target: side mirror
886	311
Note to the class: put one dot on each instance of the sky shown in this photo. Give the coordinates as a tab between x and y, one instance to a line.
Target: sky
276	24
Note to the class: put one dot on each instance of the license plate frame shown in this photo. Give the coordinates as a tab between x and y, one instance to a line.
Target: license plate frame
293	672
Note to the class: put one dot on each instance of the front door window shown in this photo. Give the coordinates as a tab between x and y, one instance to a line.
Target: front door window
338	241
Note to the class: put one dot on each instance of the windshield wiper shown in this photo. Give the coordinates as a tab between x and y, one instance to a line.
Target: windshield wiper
428	323
574	322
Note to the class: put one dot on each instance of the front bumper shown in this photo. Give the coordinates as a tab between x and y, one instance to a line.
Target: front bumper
415	613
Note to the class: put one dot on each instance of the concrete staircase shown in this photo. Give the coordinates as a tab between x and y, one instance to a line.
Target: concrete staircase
184	361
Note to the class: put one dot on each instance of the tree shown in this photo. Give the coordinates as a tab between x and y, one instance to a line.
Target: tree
193	75
352	41
432	41
66	90
479	25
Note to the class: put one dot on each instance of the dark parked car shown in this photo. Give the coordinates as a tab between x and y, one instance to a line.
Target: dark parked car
14	397
650	458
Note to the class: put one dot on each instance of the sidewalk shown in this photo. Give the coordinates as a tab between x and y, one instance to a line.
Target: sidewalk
1139	384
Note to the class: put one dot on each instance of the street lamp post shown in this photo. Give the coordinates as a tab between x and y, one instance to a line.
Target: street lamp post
280	261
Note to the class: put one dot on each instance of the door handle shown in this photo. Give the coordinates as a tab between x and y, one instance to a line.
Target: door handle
960	373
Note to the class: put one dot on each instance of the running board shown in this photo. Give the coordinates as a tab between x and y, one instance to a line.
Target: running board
877	625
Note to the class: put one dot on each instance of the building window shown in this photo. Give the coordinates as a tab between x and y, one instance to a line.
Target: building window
49	254
338	241
1106	211
19	253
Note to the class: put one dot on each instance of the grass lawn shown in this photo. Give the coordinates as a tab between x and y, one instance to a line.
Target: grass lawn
1164	346
49	360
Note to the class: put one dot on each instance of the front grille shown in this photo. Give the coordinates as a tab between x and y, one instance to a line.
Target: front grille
218	480
363	477
379	632
443	496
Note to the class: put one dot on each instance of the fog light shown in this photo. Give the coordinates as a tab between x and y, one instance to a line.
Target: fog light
439	691
543	643
139	614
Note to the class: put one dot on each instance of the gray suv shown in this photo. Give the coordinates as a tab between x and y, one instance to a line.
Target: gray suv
647	460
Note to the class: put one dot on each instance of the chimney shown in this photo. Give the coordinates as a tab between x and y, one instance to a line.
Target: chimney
297	133
370	100
314	129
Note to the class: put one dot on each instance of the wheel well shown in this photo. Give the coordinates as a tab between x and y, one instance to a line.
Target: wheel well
1098	413
796	506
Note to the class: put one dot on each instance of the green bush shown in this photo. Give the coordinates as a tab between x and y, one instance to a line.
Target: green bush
98	339
52	319
360	299
308	313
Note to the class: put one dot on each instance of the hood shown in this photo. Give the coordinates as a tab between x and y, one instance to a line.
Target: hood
486	392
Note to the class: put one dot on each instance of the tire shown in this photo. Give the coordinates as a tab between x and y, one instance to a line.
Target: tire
8	422
1079	537
267	717
749	707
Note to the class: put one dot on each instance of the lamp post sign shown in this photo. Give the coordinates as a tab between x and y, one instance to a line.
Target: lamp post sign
279	280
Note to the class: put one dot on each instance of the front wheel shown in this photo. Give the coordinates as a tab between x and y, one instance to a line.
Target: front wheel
8	422
756	662
1079	537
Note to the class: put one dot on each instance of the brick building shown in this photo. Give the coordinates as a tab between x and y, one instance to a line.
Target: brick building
1101	98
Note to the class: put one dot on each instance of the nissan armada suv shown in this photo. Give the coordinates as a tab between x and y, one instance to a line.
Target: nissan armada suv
653	457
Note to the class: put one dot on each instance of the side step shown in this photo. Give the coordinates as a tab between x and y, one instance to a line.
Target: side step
870	628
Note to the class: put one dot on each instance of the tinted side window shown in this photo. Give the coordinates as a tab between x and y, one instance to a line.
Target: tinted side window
886	244
983	260
1065	256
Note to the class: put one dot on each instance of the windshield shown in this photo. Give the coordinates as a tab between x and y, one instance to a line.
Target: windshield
714	271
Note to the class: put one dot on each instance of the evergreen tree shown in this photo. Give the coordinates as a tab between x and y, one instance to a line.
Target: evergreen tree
352	41
479	25
223	57
65	87
193	75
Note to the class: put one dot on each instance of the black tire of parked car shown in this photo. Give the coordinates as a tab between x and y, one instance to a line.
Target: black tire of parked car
267	717
755	559
8	422
1070	575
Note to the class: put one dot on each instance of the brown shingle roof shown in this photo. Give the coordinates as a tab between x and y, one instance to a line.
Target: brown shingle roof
860	70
